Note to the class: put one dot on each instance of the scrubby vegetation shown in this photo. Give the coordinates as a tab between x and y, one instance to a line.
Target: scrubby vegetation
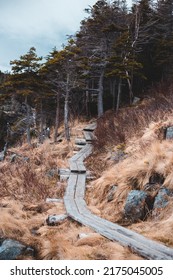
146	161
24	210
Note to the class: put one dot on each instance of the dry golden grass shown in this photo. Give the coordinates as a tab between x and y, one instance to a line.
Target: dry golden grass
58	242
146	156
25	186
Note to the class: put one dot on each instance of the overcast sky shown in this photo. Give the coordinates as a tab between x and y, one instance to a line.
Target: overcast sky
43	24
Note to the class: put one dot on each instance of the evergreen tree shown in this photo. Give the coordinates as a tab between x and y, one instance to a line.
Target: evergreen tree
164	39
96	38
25	81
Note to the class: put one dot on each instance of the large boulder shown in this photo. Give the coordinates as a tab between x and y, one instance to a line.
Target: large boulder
136	206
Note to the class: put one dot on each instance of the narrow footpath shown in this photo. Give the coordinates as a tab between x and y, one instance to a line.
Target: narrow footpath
77	209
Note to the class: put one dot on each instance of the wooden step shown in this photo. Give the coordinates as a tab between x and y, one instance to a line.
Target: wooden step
80	141
73	166
91	127
89	136
54	200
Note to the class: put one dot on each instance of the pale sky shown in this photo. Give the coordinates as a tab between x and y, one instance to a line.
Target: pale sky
42	24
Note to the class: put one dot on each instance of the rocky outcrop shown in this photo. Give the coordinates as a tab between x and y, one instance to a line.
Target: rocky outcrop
140	203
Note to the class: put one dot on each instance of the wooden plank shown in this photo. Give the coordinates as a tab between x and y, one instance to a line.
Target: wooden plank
71	209
54	200
83	153
63	171
81	142
89	136
81	167
78	147
69	202
73	166
80	154
80	186
91	127
88	151
71	186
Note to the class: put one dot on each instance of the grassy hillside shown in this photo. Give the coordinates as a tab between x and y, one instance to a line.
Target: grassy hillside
129	150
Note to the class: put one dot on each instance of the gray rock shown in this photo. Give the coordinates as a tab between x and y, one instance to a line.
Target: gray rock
14	157
83	235
136	100
11	249
53	220
169	132
2	156
136	207
52	173
162	198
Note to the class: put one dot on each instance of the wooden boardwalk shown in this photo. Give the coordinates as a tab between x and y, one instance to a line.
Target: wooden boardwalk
77	209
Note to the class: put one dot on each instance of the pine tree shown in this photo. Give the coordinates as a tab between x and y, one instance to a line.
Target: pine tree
96	38
25	81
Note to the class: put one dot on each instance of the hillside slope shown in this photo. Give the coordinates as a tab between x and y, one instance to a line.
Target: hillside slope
119	167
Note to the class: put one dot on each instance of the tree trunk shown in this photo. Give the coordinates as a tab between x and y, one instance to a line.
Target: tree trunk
28	125
66	112
113	93
41	124
57	117
66	120
130	91
119	94
100	95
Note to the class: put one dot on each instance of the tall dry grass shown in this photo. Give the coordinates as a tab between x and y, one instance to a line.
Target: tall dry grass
148	156
24	187
114	128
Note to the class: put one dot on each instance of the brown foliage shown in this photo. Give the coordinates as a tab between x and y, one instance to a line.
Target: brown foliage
114	128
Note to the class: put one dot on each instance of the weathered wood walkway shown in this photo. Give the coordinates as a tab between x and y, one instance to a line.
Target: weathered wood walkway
77	209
